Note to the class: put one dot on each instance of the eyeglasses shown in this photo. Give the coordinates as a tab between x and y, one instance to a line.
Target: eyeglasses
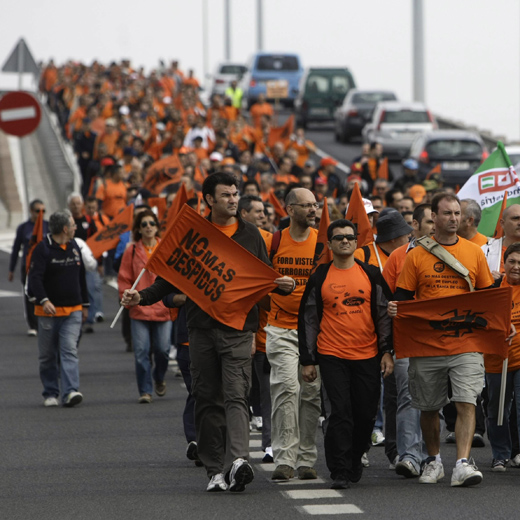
146	223
39	210
339	238
313	205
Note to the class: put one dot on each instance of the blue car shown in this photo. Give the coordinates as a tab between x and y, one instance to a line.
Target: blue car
277	76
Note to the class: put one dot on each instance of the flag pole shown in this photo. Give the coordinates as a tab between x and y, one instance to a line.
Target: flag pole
502	399
122	307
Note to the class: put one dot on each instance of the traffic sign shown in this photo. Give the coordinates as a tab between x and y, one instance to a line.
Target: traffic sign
20	113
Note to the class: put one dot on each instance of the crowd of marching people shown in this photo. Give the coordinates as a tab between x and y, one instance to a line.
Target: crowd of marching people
319	350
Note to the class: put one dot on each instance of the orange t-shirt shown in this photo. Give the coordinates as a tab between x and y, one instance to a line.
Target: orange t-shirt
347	330
360	255
113	195
258	110
479	239
394	266
294	259
492	362
430	278
229	231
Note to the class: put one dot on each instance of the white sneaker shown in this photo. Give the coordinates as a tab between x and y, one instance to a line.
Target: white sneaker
365	461
256	423
393	464
217	483
73	399
515	462
406	469
466	474
32	333
378	439
240	475
51	401
432	473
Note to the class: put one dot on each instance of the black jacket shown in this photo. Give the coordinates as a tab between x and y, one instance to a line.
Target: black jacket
311	311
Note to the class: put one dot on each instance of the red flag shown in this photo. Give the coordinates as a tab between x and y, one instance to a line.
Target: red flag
499	231
36	238
477	321
382	171
278	208
160	204
107	237
281	133
219	275
163	172
322	253
357	214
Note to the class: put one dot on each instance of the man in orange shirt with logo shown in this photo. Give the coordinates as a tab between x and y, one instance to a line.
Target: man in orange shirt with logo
296	404
344	328
427	277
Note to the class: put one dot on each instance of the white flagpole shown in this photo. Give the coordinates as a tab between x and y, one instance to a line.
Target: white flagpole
501	402
122	307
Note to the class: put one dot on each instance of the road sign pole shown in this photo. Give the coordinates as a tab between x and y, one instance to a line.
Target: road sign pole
21	51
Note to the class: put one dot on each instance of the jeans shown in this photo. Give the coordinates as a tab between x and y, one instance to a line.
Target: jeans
410	444
263	371
500	436
95	294
146	334
188	416
378	425
58	354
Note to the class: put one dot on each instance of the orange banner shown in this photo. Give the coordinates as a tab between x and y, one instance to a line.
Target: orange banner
160	204
219	275
357	214
478	321
322	253
36	238
163	172
108	237
278	208
180	199
281	133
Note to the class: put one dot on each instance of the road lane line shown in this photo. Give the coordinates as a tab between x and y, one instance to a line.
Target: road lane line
330	509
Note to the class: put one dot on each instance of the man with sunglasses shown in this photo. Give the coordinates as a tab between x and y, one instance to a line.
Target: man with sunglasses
345	329
22	241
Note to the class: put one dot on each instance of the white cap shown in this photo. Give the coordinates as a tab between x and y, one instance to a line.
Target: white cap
368	207
216	156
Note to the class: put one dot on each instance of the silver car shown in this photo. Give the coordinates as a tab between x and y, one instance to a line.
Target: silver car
225	74
396	124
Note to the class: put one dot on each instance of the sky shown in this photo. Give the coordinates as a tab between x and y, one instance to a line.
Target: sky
472	47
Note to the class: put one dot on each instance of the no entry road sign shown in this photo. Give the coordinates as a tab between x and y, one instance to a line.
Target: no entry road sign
20	113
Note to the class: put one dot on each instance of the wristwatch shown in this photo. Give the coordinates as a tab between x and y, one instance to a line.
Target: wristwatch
388	351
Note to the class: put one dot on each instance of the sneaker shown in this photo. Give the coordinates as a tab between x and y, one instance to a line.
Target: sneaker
365	461
240	475
51	401
32	333
498	465
268	457
515	461
282	472
88	329
340	483
478	441
450	438
357	472
378	439
99	317
432	473
393	464
307	473
256	423
160	388
406	469
73	399
466	474
145	399
217	483
192	452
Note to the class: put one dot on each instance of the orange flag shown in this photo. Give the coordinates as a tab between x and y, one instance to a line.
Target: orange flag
434	170
499	232
357	214
278	208
160	204
36	238
382	171
322	253
219	275
108	237
180	199
162	172
470	322
281	133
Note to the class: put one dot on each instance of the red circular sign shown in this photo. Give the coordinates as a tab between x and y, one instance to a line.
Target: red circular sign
20	113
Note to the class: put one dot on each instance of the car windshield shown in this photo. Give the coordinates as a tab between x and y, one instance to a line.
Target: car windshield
406	116
451	148
232	69
277	63
371	98
327	84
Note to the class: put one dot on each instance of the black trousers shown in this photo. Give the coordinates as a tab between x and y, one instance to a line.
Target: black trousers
353	389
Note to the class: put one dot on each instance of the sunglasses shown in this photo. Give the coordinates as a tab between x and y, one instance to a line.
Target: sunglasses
339	238
39	210
146	223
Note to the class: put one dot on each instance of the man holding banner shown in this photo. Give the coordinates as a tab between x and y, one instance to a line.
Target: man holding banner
223	282
428	277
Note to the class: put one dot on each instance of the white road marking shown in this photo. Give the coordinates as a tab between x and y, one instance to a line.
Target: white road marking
298	482
255	443
330	509
311	494
10	294
15	114
256	455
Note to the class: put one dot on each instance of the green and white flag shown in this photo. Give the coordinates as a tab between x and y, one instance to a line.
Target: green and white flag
487	186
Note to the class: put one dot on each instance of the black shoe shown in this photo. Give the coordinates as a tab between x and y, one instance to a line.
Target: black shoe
357	471
340	483
89	329
478	441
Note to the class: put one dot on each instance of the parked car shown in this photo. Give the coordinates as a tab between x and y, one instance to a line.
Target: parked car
459	153
513	151
396	124
321	90
224	74
264	69
356	111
